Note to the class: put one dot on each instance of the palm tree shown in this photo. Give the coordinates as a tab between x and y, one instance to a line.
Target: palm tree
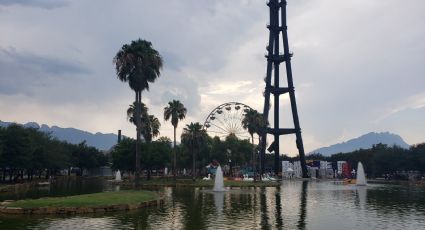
151	128
138	64
252	122
176	111
131	112
149	123
193	135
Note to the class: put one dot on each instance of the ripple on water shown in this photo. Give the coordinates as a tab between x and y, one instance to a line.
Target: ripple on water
294	205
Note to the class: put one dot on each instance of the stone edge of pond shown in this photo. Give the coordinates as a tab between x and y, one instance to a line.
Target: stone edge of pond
78	210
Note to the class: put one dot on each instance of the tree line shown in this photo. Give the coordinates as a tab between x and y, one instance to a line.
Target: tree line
196	151
380	160
28	153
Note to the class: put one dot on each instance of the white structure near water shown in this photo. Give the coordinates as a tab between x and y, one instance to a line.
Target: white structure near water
293	170
360	178
218	182
118	176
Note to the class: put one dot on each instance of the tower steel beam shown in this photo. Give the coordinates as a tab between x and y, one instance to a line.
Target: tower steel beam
277	27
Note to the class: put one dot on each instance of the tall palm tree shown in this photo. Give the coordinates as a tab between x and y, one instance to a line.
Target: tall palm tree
149	123
193	135
176	111
251	122
138	64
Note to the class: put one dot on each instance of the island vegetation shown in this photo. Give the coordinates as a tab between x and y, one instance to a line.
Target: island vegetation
89	200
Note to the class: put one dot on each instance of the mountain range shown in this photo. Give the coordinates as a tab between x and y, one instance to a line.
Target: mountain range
102	141
363	142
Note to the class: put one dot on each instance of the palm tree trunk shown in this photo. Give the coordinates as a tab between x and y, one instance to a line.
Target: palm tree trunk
137	173
260	163
253	156
174	153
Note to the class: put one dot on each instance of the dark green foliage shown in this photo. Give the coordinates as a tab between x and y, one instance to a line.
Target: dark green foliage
123	155
156	155
138	64
86	157
149	123
382	159
33	152
214	149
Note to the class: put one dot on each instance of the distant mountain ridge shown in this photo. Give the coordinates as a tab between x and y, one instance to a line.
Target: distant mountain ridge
74	136
363	142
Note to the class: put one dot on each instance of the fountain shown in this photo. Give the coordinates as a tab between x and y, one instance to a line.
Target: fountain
118	176
218	182
361	179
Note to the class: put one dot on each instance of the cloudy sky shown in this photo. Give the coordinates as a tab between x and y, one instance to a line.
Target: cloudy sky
358	66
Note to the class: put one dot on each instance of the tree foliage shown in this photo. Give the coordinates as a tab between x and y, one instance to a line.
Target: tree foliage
382	159
30	151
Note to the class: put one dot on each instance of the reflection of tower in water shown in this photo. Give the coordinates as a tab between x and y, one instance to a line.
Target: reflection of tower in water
303	206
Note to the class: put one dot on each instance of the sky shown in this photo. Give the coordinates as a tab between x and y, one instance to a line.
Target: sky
358	65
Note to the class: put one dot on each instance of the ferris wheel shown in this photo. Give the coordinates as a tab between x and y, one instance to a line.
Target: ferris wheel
226	119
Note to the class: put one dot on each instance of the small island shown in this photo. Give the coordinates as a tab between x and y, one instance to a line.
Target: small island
87	203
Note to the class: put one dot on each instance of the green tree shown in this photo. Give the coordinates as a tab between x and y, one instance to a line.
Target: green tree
157	155
138	64
123	155
193	136
176	111
164	139
86	157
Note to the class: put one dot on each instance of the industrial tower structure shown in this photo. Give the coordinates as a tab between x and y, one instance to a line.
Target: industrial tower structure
278	27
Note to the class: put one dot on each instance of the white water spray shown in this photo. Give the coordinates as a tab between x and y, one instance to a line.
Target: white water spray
218	182
361	178
118	176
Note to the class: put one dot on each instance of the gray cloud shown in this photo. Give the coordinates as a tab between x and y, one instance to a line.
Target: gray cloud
45	4
175	86
23	72
357	63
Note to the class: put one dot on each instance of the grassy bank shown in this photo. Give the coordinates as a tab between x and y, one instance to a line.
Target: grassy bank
89	200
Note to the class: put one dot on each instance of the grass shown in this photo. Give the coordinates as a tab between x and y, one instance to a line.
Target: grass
89	200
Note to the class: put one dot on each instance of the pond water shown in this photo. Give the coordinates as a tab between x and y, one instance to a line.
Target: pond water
293	205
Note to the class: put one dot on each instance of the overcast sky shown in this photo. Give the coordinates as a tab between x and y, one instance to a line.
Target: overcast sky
358	66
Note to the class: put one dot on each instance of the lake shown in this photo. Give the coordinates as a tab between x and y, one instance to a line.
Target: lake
293	205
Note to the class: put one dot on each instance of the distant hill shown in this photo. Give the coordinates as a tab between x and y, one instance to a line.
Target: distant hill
363	142
74	136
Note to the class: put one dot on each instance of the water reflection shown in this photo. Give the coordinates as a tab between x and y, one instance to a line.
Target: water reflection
278	213
361	196
219	202
303	205
59	187
294	205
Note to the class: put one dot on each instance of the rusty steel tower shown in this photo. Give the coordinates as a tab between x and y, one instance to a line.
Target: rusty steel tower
278	28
